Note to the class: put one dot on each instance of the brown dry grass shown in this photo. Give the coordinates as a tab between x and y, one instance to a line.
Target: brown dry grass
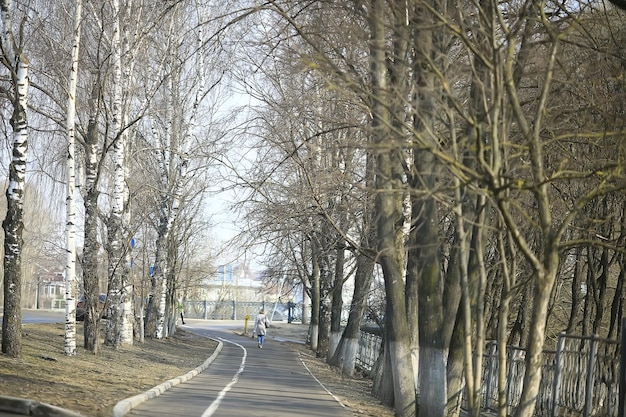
93	384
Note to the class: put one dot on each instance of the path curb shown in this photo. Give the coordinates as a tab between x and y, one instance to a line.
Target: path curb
124	406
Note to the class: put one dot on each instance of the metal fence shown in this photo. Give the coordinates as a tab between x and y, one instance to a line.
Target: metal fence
237	310
579	379
368	351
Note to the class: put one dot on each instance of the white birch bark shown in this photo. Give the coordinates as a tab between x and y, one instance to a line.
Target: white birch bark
13	224
180	151
114	334
70	227
127	304
165	222
122	41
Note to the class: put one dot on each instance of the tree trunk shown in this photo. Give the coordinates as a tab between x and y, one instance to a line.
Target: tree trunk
508	281
324	311
345	355
91	251
617	303
536	338
70	267
13	223
306	306
337	303
545	263
346	352
156	303
382	385
432	358
117	333
574	313
599	286
315	297
455	380
390	218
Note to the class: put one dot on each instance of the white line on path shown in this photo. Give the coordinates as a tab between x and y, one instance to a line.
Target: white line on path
320	382
215	405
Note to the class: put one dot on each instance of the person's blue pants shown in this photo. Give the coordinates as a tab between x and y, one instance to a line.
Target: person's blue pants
261	339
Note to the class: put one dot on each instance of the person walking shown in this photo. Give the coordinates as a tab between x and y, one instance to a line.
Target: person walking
260	325
181	309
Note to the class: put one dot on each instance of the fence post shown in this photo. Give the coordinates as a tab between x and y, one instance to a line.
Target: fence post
509	373
492	365
622	371
558	372
593	352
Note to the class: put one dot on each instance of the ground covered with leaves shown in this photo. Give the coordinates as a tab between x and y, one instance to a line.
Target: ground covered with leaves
93	384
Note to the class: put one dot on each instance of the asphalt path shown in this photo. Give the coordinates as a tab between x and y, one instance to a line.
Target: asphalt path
41	316
242	379
245	380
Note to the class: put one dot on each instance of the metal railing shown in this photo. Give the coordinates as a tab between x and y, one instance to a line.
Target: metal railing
579	379
236	310
368	351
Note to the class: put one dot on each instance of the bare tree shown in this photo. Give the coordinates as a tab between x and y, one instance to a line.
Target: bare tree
70	268
180	130
119	297
15	61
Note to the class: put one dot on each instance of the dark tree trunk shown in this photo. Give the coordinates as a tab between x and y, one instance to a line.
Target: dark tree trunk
13	223
574	314
315	296
386	80
325	301
91	251
432	372
13	226
337	301
382	386
91	283
618	301
455	368
345	354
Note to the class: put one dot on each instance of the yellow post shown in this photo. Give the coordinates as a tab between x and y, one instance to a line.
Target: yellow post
245	324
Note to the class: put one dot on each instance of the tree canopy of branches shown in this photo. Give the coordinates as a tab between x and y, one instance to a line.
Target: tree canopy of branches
497	167
466	156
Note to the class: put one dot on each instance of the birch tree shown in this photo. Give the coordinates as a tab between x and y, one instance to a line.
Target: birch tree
90	194
131	30
174	134
70	268
118	330
102	134
15	61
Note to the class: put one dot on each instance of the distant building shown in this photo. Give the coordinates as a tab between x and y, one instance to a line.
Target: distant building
50	292
233	282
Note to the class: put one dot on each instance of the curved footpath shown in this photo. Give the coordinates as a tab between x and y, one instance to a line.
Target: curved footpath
241	379
124	406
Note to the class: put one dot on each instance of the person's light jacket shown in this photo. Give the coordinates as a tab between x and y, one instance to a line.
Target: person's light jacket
260	324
